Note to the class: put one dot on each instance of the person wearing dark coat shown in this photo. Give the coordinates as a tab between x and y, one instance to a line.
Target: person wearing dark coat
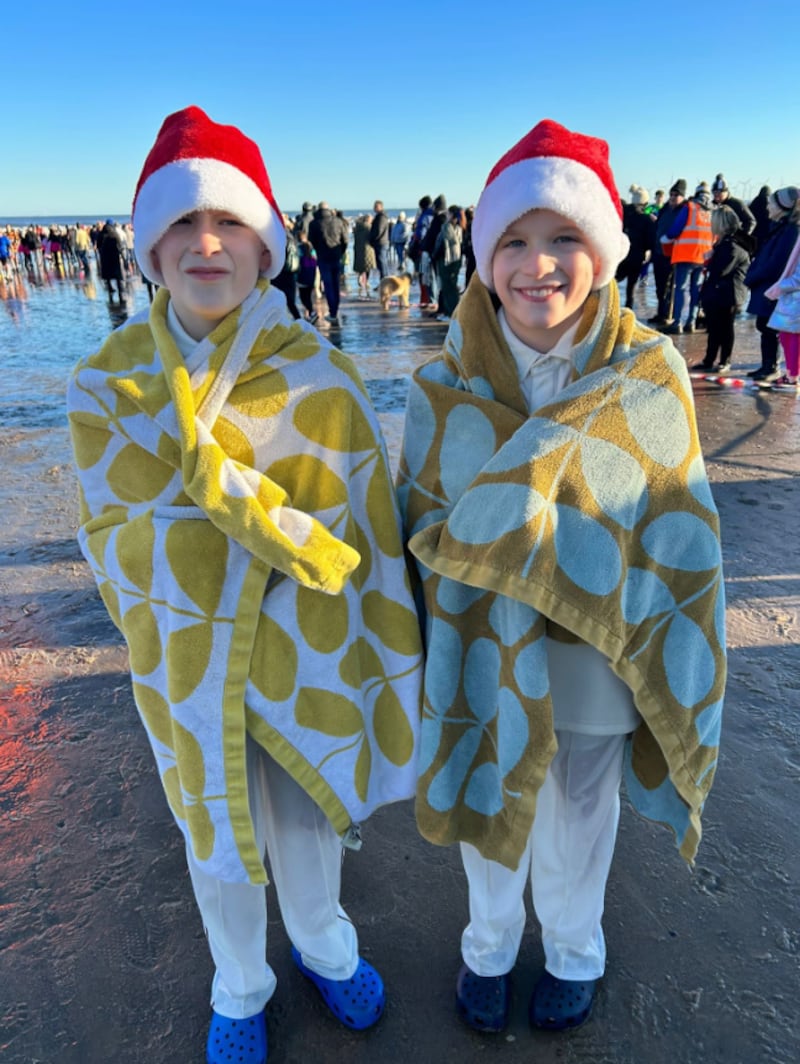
415	249
328	235
303	221
640	228
111	259
379	238
758	208
448	252
469	253
662	266
723	293
723	198
31	246
766	268
429	244
363	254
286	280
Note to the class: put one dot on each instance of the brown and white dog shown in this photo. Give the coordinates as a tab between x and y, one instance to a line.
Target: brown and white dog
398	285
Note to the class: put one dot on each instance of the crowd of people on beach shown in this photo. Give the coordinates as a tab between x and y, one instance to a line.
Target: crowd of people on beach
430	249
36	251
712	257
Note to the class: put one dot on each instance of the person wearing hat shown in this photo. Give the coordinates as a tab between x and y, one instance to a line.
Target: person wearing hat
786	319
662	263
555	500
303	221
721	194
238	515
328	234
766	269
111	256
690	241
640	229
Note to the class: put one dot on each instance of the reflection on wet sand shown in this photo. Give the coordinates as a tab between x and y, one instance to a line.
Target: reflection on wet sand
23	731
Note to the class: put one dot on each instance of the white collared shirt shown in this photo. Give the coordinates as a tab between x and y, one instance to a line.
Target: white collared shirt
541	376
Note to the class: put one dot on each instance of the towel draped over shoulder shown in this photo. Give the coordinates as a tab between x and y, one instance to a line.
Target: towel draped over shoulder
239	518
592	519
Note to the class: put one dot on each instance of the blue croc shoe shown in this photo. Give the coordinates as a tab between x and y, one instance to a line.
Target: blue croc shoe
237	1040
358	1001
561	1004
483	1001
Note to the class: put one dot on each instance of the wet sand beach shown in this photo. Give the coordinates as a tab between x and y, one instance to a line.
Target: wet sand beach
102	955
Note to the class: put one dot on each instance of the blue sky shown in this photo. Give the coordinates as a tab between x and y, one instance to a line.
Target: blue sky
355	101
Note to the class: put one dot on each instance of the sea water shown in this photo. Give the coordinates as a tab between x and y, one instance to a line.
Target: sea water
46	324
49	320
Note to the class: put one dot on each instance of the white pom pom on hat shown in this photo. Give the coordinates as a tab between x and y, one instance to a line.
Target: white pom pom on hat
197	164
552	168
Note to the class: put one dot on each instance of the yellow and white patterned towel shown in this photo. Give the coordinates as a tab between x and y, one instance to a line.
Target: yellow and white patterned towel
239	517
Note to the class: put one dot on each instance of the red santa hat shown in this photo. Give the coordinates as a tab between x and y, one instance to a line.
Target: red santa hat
553	169
196	164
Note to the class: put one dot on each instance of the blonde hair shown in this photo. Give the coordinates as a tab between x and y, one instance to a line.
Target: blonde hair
724	221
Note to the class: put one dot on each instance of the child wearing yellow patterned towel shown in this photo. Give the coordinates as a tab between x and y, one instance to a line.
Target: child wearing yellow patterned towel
556	501
238	515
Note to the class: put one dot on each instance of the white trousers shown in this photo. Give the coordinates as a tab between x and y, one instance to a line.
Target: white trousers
568	857
305	858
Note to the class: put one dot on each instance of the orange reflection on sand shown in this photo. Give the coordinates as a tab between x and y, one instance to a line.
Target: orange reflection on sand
26	760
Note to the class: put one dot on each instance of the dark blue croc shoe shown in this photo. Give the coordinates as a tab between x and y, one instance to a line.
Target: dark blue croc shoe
483	1001
561	1004
240	1040
358	1001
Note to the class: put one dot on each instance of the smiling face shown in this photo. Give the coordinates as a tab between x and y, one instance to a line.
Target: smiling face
210	262
543	271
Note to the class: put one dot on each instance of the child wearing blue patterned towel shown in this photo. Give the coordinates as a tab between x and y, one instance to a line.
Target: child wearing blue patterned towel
556	502
238	515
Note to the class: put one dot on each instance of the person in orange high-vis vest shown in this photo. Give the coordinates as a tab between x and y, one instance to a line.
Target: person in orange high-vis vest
691	244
